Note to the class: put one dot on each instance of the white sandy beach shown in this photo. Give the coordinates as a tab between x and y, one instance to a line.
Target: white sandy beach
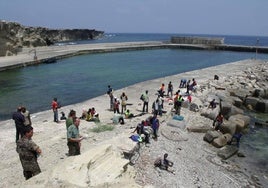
195	161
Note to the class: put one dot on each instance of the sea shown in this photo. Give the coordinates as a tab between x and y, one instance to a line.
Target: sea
79	78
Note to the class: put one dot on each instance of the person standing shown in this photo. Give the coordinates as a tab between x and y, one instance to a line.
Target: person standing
74	138
55	106
124	99
19	123
116	105
170	89
145	98
28	152
155	126
26	115
69	120
110	93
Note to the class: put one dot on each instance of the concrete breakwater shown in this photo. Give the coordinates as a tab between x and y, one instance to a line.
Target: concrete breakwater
213	43
45	54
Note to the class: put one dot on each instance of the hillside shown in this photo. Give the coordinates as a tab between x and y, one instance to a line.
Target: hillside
14	36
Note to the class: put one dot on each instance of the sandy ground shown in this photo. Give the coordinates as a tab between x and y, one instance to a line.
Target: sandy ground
196	163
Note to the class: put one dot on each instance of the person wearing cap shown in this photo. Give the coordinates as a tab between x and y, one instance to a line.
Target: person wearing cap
28	152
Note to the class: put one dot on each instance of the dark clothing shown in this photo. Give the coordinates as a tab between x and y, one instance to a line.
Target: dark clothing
140	130
74	148
28	157
19	122
145	107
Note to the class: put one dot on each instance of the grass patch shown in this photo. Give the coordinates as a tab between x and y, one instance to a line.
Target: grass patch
102	128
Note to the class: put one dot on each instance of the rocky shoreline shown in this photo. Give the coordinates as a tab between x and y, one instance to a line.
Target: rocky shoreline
197	163
14	36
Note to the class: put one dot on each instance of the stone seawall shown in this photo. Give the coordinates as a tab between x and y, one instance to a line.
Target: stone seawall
197	40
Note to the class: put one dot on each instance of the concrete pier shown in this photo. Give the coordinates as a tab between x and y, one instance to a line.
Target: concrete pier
47	54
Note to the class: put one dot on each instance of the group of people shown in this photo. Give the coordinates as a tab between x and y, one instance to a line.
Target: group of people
90	115
115	102
28	151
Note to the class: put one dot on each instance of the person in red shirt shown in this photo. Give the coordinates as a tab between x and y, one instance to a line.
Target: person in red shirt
218	121
55	107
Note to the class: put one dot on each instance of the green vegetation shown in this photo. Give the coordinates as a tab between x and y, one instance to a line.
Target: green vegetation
102	128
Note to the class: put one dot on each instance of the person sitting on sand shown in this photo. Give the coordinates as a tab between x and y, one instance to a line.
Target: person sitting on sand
92	116
164	163
140	130
192	87
212	104
128	115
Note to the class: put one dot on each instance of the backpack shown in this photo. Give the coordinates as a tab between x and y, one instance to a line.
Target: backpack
142	97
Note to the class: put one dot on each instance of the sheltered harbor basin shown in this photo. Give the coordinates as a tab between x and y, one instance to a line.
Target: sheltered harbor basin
45	54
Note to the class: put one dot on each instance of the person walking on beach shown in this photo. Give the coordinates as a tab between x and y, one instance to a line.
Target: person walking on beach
28	152
124	99
74	138
145	99
55	107
19	123
26	115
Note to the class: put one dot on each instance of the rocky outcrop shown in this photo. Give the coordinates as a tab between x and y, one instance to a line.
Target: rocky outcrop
14	36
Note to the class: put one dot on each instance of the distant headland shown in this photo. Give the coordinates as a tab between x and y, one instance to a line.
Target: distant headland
14	36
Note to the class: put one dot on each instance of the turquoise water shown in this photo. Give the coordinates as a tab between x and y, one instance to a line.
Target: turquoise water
83	77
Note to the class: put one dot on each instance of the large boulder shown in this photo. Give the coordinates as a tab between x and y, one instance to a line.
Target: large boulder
210	113
103	165
234	110
227	151
199	128
176	123
251	101
226	108
211	135
237	101
262	106
229	127
222	140
241	121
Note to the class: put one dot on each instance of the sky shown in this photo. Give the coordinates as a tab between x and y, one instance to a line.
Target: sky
219	17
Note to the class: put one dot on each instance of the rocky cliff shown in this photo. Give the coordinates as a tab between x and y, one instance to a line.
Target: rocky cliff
14	36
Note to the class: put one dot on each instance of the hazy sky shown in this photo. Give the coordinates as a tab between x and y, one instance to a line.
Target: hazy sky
232	17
